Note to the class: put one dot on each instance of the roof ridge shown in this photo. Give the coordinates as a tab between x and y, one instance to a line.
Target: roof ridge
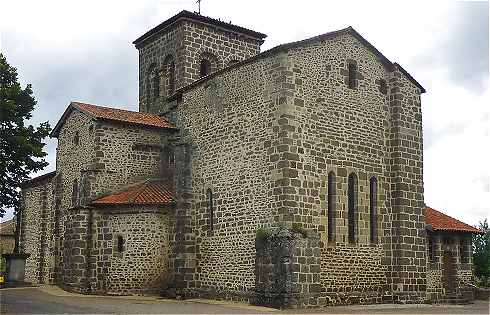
184	14
114	108
113	114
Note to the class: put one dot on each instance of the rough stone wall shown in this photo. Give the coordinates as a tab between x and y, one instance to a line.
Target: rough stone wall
75	161
287	268
36	232
143	265
449	243
153	55
330	127
187	42
124	155
229	125
107	158
76	264
226	47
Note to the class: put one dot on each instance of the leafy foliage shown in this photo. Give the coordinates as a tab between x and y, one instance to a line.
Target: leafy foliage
481	254
21	146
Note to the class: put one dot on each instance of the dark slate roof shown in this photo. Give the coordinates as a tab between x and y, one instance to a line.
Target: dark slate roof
150	192
37	180
442	222
186	15
114	114
285	47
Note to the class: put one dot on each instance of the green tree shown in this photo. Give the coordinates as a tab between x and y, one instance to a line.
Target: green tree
21	146
481	254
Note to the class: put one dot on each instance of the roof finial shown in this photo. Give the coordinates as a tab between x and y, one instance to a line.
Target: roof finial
198	6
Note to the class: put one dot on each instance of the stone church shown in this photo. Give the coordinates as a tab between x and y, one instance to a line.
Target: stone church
289	178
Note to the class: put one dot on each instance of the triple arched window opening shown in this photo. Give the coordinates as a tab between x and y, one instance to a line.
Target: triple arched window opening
352	208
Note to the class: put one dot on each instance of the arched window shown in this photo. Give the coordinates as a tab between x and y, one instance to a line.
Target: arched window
205	67
352	207
373	211
153	84
209	196
171	77
352	75
331	207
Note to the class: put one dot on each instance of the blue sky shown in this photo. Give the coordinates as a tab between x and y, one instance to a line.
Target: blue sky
82	51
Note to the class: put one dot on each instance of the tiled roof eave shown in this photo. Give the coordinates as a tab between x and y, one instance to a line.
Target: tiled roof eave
439	229
113	204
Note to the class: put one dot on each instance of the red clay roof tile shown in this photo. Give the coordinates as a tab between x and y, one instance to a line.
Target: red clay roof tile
441	222
146	193
122	115
114	114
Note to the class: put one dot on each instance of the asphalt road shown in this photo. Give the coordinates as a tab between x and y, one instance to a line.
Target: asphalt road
35	301
51	300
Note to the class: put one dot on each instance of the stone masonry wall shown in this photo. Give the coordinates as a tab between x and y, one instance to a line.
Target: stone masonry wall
407	191
36	232
226	47
107	158
445	243
229	123
329	127
287	269
187	42
123	155
143	265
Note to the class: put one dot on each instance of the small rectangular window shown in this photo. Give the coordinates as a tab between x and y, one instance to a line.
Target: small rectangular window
383	88
464	251
352	75
431	247
120	243
210	205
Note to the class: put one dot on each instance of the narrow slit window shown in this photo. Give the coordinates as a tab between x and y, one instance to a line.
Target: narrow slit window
431	246
210	201
352	75
373	204
331	207
171	77
74	193
352	207
205	67
156	85
120	243
463	250
383	88
76	139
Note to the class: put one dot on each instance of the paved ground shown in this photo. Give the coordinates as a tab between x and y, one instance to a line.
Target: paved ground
52	300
